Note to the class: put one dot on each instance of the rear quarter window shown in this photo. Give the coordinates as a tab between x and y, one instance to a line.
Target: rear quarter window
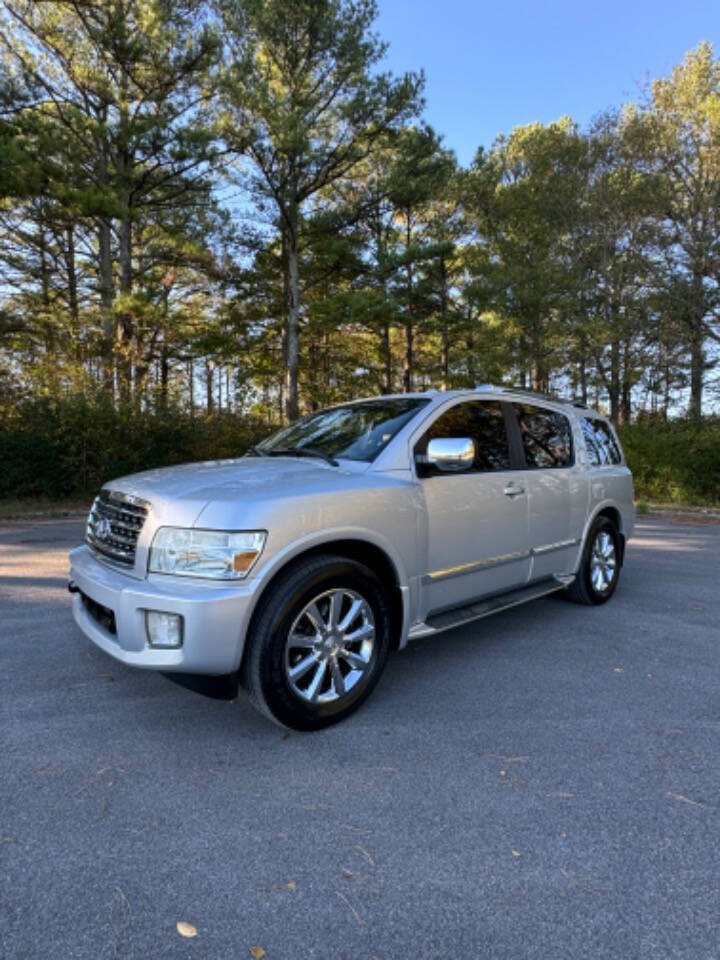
602	447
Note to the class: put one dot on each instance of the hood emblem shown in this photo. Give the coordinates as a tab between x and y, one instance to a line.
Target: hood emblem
102	528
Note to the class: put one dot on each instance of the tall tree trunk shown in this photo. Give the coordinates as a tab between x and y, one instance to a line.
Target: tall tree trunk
625	400
666	385
125	325
125	334
625	403
107	284
164	374
445	332
537	376
44	271
470	348
107	295
697	368
48	319
326	364
409	322
209	386
385	340
696	319
164	362
614	387
69	256
292	330
583	381
409	357
538	369
387	357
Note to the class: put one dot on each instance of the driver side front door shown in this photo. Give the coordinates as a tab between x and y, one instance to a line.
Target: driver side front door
477	521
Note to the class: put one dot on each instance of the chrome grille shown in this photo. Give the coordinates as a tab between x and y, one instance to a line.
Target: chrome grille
114	525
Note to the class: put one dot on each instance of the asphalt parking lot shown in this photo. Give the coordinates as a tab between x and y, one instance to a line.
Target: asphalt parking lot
542	784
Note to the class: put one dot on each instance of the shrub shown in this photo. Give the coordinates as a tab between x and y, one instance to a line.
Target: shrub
677	461
72	447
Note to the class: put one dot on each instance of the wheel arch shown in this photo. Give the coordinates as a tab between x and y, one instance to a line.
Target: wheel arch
614	515
362	550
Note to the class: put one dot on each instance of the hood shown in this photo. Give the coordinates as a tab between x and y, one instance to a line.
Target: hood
257	478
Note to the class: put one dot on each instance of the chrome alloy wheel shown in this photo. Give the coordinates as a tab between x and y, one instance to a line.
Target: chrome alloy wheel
330	646
603	562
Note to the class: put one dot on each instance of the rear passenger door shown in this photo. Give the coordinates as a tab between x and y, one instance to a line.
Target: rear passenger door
557	488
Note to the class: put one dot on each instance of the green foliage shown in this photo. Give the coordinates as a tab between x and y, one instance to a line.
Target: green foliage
71	447
302	99
227	205
677	461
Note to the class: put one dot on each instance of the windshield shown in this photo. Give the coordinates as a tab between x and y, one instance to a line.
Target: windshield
358	431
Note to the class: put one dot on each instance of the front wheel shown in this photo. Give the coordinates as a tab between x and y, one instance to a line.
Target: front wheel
599	570
318	643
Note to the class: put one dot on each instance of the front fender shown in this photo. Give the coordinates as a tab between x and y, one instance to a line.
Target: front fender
326	538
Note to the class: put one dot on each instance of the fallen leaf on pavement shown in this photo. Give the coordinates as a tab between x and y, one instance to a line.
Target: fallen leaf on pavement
682	799
279	887
186	929
257	953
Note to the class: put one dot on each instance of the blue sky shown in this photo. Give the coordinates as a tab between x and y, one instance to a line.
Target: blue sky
492	66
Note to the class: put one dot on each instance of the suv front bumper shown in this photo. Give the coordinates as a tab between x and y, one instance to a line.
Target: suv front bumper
215	619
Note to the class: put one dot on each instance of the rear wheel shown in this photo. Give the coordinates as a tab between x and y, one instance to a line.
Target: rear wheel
599	570
318	643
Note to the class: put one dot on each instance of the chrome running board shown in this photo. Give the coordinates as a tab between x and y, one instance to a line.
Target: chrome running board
458	616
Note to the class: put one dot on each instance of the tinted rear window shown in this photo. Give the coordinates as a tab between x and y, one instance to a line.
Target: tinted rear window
546	437
601	445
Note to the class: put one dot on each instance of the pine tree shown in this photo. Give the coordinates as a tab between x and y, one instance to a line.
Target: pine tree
303	102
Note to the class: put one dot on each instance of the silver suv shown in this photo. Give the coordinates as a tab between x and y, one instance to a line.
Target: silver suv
299	566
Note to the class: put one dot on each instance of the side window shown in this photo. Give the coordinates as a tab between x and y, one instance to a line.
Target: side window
595	455
546	436
484	423
600	442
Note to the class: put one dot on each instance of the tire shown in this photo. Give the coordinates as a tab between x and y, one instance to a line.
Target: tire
601	557
292	645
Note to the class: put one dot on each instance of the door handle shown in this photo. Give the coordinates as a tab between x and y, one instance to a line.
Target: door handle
512	491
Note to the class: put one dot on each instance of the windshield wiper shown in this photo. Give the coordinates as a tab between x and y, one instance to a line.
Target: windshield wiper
302	452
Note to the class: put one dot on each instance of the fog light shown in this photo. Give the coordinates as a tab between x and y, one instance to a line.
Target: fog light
164	629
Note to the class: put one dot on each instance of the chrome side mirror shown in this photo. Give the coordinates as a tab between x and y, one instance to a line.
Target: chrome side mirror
451	454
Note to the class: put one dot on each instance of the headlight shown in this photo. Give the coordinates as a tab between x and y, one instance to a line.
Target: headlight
218	554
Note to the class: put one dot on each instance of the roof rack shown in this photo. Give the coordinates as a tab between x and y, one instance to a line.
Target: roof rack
522	391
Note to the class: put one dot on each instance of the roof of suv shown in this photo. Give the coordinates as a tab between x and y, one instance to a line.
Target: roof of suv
499	392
